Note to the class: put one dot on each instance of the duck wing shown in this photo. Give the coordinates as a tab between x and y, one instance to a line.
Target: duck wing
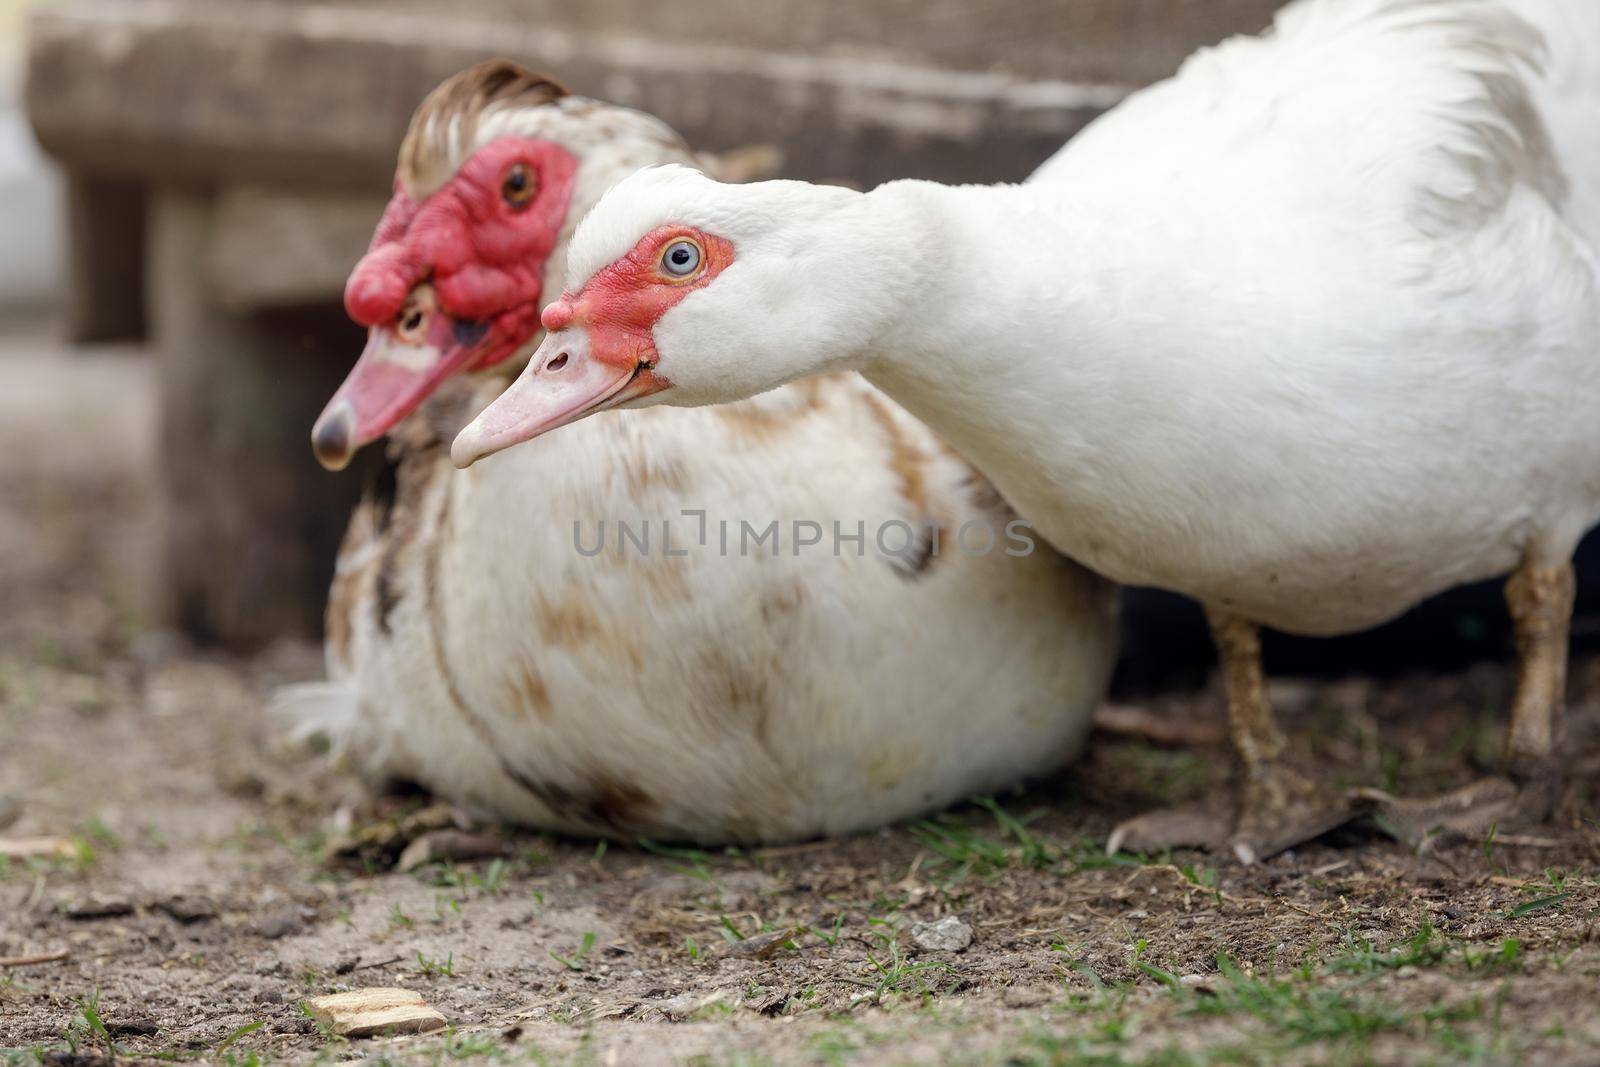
1418	117
1568	97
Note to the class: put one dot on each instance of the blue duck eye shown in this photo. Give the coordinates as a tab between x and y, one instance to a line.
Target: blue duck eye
681	259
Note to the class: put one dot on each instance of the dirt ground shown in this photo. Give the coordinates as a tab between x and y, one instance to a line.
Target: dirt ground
217	877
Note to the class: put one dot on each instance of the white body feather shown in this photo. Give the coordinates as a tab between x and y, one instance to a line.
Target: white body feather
1323	341
738	697
1310	331
714	697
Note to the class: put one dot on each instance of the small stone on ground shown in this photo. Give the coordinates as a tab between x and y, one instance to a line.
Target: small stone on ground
949	934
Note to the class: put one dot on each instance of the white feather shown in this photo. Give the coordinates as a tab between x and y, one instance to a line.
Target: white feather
1309	331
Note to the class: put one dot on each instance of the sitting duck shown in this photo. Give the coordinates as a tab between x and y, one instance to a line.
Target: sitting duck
1308	332
792	616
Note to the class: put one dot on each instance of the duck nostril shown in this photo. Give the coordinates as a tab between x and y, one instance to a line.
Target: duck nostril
411	321
557	363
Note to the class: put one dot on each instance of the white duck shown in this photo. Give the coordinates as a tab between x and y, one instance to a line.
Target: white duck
1309	332
756	692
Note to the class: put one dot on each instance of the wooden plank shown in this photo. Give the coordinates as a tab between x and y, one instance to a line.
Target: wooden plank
318	94
1112	41
1122	41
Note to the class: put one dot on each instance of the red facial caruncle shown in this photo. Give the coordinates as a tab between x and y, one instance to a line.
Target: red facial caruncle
450	282
620	305
599	350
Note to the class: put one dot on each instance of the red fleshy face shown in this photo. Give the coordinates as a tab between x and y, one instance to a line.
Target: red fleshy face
620	306
617	311
482	244
450	283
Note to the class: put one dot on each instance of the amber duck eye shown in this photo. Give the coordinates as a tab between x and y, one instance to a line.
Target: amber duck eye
519	186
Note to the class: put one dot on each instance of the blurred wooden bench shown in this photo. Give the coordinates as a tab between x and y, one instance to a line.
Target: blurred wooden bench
227	161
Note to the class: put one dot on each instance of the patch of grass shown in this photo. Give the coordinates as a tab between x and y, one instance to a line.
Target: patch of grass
399	919
1507	956
1426	948
319	1026
1100	989
1283	1016
1339	1005
1293	1010
736	1058
435	968
96	833
12	987
575	961
532	856
966	850
491	880
801	1002
829	937
1205	878
691	862
1045	1049
245	1058
1302	1013
82	857
1557	880
458	1046
890	971
1551	901
87	1030
714	1010
1030	850
838	1047
790	942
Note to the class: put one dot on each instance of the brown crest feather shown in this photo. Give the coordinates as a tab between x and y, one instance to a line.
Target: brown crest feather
445	123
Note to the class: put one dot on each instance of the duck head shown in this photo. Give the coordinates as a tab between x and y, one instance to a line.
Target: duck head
690	291
497	165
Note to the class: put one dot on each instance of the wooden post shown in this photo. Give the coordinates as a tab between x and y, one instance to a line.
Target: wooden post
105	258
252	522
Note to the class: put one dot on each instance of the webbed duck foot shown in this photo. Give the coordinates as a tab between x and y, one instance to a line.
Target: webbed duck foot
1281	807
1277	807
1516	802
1202	824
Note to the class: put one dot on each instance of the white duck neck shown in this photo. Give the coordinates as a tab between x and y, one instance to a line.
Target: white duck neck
1007	338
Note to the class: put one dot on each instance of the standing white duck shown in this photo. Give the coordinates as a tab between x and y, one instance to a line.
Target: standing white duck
1309	332
711	687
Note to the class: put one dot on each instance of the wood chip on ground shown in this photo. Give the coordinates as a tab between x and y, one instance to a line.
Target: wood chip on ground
375	1012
